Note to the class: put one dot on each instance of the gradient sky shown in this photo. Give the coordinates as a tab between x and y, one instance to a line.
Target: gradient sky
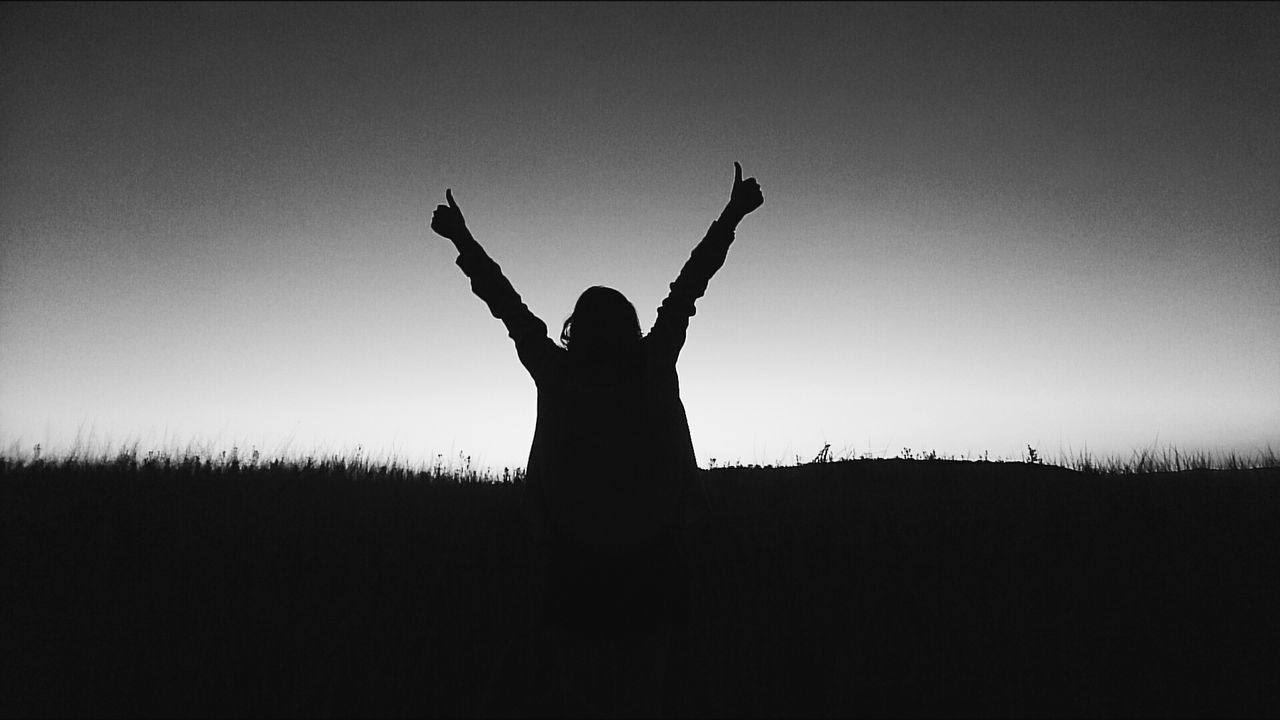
984	226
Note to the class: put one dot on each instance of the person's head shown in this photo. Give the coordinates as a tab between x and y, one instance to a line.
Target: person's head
603	324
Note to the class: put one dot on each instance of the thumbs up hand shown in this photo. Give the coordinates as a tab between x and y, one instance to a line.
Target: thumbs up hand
745	196
447	220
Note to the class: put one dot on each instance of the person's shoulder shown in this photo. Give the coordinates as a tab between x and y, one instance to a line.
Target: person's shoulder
553	365
649	348
656	359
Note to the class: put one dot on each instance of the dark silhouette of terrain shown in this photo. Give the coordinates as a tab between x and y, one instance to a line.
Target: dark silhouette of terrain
845	588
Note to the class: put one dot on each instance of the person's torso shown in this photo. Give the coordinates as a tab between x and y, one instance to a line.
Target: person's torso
612	451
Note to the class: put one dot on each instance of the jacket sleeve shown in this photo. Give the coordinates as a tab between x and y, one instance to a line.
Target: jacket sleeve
526	329
668	333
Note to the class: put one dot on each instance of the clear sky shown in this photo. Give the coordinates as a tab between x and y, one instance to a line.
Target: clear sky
984	226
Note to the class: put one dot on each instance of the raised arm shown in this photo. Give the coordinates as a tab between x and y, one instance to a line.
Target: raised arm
668	333
490	285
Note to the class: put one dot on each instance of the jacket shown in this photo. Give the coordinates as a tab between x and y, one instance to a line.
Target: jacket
611	463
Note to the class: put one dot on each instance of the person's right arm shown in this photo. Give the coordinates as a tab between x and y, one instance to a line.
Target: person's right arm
668	333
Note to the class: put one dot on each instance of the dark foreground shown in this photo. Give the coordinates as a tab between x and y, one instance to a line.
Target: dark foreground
868	587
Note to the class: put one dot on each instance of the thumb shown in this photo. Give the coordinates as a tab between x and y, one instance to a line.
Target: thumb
448	194
737	172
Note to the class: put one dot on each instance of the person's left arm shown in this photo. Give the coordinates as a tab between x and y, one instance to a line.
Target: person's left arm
490	285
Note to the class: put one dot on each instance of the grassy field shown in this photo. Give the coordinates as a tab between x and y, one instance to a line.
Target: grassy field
887	587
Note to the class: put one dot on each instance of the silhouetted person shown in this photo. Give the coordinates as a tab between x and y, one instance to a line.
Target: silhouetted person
611	474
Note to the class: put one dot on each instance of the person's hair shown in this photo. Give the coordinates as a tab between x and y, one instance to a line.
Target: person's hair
603	325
